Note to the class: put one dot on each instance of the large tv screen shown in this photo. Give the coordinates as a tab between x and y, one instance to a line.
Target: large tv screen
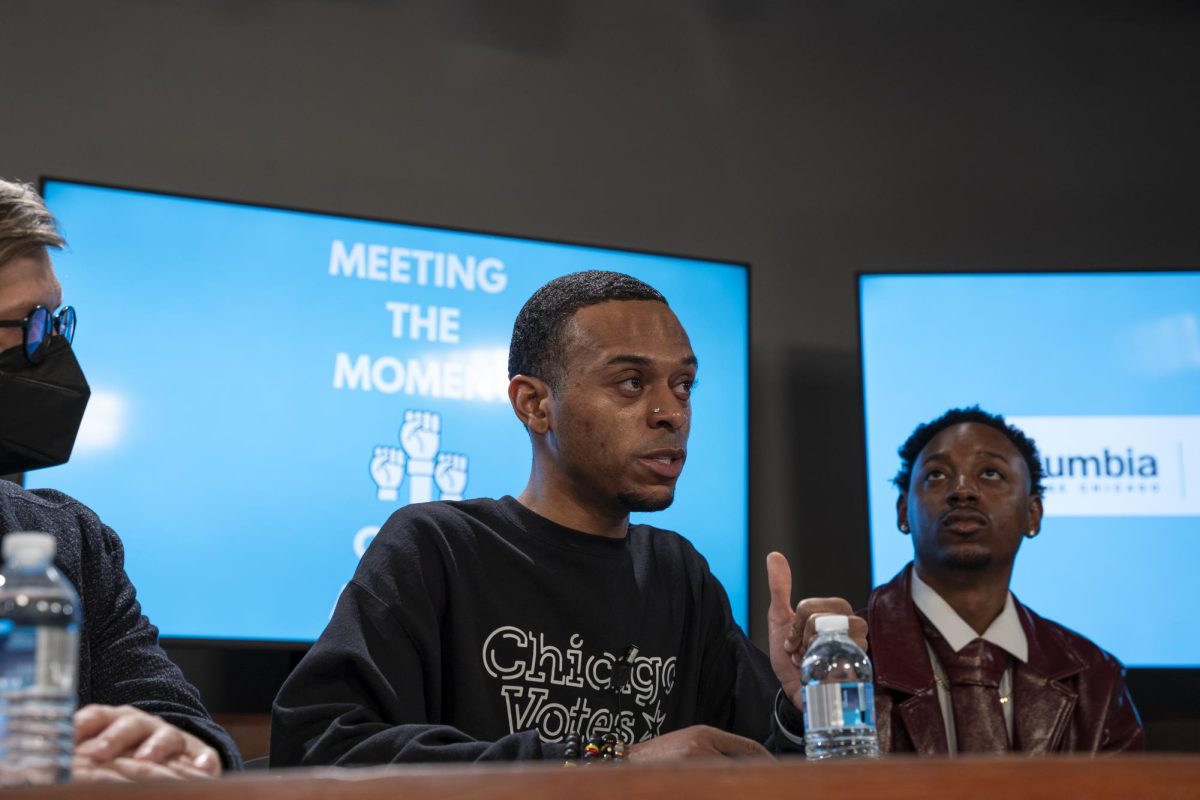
259	374
1103	370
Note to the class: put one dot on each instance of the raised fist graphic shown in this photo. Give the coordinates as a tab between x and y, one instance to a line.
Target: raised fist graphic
419	435
450	474
387	470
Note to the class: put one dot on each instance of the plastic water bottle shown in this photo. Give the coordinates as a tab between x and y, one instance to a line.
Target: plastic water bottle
39	658
839	694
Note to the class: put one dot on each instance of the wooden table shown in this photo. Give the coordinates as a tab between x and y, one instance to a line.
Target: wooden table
1052	778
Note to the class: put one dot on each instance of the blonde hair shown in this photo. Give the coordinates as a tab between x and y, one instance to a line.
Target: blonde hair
25	222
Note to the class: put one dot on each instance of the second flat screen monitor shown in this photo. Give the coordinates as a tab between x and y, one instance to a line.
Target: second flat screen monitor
1102	370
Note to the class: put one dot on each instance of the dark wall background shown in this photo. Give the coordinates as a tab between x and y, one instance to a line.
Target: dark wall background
811	138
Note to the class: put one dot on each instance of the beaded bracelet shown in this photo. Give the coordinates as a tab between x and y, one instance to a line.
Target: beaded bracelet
606	749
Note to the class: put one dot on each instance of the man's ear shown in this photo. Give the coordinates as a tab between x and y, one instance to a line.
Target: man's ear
902	512
530	398
1035	516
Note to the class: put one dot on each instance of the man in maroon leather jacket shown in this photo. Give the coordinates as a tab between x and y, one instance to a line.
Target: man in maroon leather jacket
970	493
1070	696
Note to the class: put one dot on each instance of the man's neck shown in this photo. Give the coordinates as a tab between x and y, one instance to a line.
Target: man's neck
976	596
568	511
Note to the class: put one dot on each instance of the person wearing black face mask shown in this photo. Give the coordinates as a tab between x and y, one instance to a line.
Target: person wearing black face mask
139	717
42	392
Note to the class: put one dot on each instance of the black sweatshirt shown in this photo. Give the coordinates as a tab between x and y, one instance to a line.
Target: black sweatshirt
479	630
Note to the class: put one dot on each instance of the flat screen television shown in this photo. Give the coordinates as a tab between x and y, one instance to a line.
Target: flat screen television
256	371
1102	370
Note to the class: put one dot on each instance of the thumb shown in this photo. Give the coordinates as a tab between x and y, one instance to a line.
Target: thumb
91	719
779	579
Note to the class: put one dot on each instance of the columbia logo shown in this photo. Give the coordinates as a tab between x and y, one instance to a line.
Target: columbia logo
1132	466
1105	465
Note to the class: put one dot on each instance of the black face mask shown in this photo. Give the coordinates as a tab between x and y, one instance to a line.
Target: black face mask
41	406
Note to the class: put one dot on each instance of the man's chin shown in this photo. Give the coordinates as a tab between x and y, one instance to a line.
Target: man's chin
967	560
647	501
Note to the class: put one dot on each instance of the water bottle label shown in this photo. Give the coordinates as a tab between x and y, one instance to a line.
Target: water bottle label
839	705
38	657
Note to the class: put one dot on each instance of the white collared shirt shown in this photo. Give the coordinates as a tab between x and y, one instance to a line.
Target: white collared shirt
1004	632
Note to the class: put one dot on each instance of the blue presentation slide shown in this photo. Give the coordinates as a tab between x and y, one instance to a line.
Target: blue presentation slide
1102	370
270	385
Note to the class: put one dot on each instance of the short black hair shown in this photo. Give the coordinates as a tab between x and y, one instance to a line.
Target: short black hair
924	433
537	346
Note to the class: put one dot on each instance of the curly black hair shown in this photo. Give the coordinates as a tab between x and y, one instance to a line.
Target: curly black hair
924	433
537	338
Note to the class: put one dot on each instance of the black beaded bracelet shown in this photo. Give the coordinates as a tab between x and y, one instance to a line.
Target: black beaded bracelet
606	749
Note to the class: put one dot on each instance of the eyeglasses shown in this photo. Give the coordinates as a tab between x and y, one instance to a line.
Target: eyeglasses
37	326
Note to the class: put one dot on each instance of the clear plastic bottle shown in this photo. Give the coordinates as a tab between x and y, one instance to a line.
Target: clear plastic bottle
39	663
839	694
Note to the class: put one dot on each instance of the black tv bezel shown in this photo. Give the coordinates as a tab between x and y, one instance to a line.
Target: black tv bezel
201	643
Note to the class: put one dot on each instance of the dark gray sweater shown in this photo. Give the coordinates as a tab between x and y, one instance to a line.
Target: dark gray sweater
120	661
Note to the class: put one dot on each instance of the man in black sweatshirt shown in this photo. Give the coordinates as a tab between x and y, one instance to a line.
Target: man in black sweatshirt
499	629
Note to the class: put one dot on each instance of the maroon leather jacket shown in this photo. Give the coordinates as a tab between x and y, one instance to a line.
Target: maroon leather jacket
1069	697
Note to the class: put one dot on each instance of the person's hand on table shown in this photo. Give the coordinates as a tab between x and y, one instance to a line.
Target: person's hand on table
790	631
125	769
122	743
695	741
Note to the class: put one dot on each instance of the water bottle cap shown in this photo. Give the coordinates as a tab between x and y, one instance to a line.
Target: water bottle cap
833	623
28	548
